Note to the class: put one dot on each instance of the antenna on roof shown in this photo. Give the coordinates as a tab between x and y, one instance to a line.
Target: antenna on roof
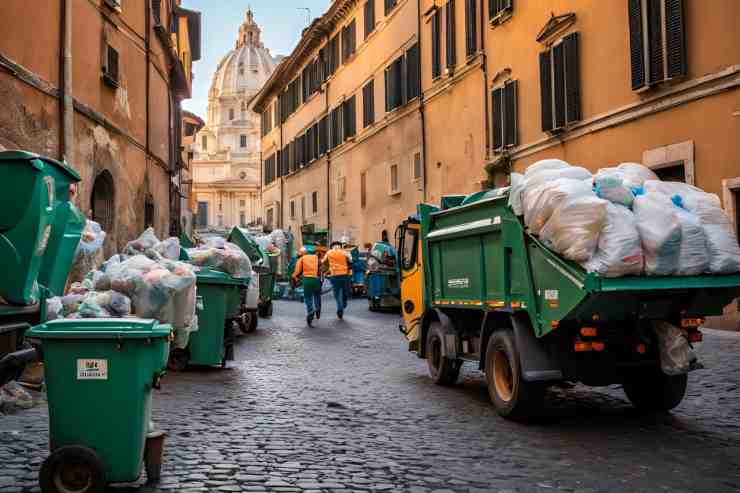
308	14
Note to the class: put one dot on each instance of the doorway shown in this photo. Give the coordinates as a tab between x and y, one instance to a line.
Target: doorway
202	215
103	201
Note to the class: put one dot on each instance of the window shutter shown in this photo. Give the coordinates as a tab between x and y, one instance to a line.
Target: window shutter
112	63
471	25
558	72
507	4
637	40
413	87
675	36
369	17
387	90
655	40
157	12
436	61
510	110
572	77
368	104
498	129
546	91
450	45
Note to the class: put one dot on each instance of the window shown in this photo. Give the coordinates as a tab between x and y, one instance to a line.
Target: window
349	114
413	79
285	158
368	104
270	216
204	142
560	85
417	166
111	69
323	135
657	41
450	36
504	116
303	209
292	209
242	203
369	17
471	28
363	189
102	200
307	82
300	152
394	84
498	9
314	202
333	54
349	41
436	61
201	218
393	182
270	172
231	113
241	68
389	4
337	136
242	141
242	219
341	189
410	248
292	157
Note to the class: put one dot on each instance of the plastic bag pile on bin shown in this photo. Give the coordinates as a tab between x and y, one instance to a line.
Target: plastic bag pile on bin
89	253
625	221
223	256
145	281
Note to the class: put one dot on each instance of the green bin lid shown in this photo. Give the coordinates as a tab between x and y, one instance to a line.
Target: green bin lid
210	276
100	328
30	156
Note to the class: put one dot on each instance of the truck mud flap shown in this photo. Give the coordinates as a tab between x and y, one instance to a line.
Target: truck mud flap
537	363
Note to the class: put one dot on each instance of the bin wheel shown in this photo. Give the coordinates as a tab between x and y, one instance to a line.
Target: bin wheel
512	396
654	390
73	469
265	309
178	360
444	371
250	323
373	304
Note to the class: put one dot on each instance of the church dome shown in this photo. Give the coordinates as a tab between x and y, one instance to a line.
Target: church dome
246	68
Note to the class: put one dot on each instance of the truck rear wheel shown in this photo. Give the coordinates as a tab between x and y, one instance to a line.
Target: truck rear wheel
654	390
512	396
444	371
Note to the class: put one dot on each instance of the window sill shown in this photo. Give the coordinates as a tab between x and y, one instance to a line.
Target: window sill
500	18
394	193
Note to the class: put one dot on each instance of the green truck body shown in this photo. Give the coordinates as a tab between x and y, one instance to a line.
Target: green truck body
483	274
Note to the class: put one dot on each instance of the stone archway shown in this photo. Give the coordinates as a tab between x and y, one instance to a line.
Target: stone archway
102	201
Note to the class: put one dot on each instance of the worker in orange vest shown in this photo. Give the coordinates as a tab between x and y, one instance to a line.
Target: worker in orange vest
340	270
307	269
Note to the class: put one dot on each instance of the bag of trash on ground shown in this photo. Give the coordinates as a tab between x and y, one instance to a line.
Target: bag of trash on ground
13	397
721	239
693	258
612	185
144	244
547	196
229	259
660	233
619	251
574	227
169	248
675	355
89	253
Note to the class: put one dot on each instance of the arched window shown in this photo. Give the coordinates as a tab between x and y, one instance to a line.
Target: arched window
148	211
244	110
103	201
204	142
231	113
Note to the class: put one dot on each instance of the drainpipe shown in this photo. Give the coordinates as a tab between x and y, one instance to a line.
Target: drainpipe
67	146
485	82
421	110
282	178
328	156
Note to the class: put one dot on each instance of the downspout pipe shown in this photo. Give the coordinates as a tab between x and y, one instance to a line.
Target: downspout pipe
67	146
484	67
328	155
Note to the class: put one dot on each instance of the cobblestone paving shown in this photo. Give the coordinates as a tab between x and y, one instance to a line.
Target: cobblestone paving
343	407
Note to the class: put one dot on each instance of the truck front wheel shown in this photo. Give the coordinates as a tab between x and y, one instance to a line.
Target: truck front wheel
512	396
654	390
444	371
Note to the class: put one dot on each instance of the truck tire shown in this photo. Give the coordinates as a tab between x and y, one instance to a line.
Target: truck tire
249	323
512	396
654	390
444	371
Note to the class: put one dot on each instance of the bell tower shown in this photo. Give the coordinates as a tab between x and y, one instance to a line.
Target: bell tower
249	32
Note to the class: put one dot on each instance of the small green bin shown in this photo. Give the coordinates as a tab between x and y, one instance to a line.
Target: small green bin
211	343
99	377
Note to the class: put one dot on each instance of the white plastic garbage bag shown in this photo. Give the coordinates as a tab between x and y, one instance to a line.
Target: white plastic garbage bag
89	253
693	257
545	164
675	356
635	174
147	241
543	199
611	185
573	229
545	176
660	233
721	240
230	259
54	308
687	196
619	251
515	193
169	248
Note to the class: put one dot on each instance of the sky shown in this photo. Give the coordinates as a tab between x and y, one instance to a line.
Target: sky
281	22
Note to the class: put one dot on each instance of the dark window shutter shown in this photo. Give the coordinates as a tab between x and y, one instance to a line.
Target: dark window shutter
157	12
675	28
655	40
413	85
285	158
546	91
112	64
471	27
572	77
510	113
368	104
369	17
558	71
387	90
637	57
436	61
507	4
350	117
498	128
492	8
450	36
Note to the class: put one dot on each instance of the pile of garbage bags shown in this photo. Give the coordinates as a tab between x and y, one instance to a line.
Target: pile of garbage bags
218	254
89	252
624	221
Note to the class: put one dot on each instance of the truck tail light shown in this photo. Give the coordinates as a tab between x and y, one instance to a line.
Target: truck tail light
589	331
598	346
695	336
580	346
641	348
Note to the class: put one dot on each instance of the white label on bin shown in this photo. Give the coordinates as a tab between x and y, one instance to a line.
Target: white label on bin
92	369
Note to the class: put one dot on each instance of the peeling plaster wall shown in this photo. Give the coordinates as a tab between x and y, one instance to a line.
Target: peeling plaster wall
29	119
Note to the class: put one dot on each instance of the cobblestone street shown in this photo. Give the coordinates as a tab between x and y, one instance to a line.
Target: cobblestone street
344	407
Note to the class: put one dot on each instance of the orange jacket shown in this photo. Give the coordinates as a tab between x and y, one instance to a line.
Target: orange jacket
338	261
307	265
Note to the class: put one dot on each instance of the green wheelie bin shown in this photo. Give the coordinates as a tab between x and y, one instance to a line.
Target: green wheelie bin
101	371
262	264
213	343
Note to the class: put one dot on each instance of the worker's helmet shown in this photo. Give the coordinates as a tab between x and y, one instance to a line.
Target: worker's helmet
310	249
302	251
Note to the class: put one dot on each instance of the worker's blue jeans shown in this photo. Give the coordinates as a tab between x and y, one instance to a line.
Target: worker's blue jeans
340	285
312	296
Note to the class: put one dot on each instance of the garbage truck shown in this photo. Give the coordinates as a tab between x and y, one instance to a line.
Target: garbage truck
477	287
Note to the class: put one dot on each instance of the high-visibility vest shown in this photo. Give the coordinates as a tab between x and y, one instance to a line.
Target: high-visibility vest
338	262
307	265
